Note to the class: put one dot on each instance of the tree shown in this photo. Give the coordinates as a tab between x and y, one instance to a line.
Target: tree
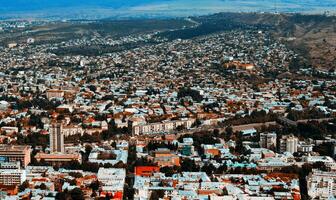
157	194
208	169
95	185
77	194
62	196
56	167
35	121
94	194
194	94
114	144
76	174
216	132
93	88
34	139
188	165
43	186
229	132
88	149
168	171
129	192
325	149
23	186
292	115
197	123
222	169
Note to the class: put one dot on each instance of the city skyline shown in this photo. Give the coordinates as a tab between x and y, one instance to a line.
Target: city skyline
167	100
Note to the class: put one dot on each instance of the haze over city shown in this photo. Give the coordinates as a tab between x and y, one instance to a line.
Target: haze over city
92	9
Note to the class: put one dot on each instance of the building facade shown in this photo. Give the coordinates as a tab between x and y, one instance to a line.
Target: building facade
268	140
57	159
55	94
56	138
15	153
113	180
163	127
321	184
12	176
289	143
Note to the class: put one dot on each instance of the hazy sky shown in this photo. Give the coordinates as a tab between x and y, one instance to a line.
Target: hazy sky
174	6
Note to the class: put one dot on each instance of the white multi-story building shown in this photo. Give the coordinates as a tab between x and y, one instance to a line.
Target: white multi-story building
112	179
303	147
289	143
10	165
12	176
162	127
321	184
72	130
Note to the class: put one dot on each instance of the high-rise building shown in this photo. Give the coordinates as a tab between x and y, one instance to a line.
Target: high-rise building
289	143
268	140
56	137
15	153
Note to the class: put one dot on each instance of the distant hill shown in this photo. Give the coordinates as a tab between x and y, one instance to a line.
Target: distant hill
312	35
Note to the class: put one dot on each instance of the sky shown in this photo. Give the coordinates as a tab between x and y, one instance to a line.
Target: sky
162	7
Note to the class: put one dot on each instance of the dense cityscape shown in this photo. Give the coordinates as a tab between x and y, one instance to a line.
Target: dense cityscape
231	114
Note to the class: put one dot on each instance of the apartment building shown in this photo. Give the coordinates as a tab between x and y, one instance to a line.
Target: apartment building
14	153
268	140
12	176
162	127
321	184
289	143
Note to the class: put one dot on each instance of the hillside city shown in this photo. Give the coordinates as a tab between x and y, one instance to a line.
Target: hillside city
229	115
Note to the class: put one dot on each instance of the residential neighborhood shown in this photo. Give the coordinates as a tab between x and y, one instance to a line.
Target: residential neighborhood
229	115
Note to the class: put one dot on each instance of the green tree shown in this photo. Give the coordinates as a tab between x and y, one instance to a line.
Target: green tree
23	186
77	194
